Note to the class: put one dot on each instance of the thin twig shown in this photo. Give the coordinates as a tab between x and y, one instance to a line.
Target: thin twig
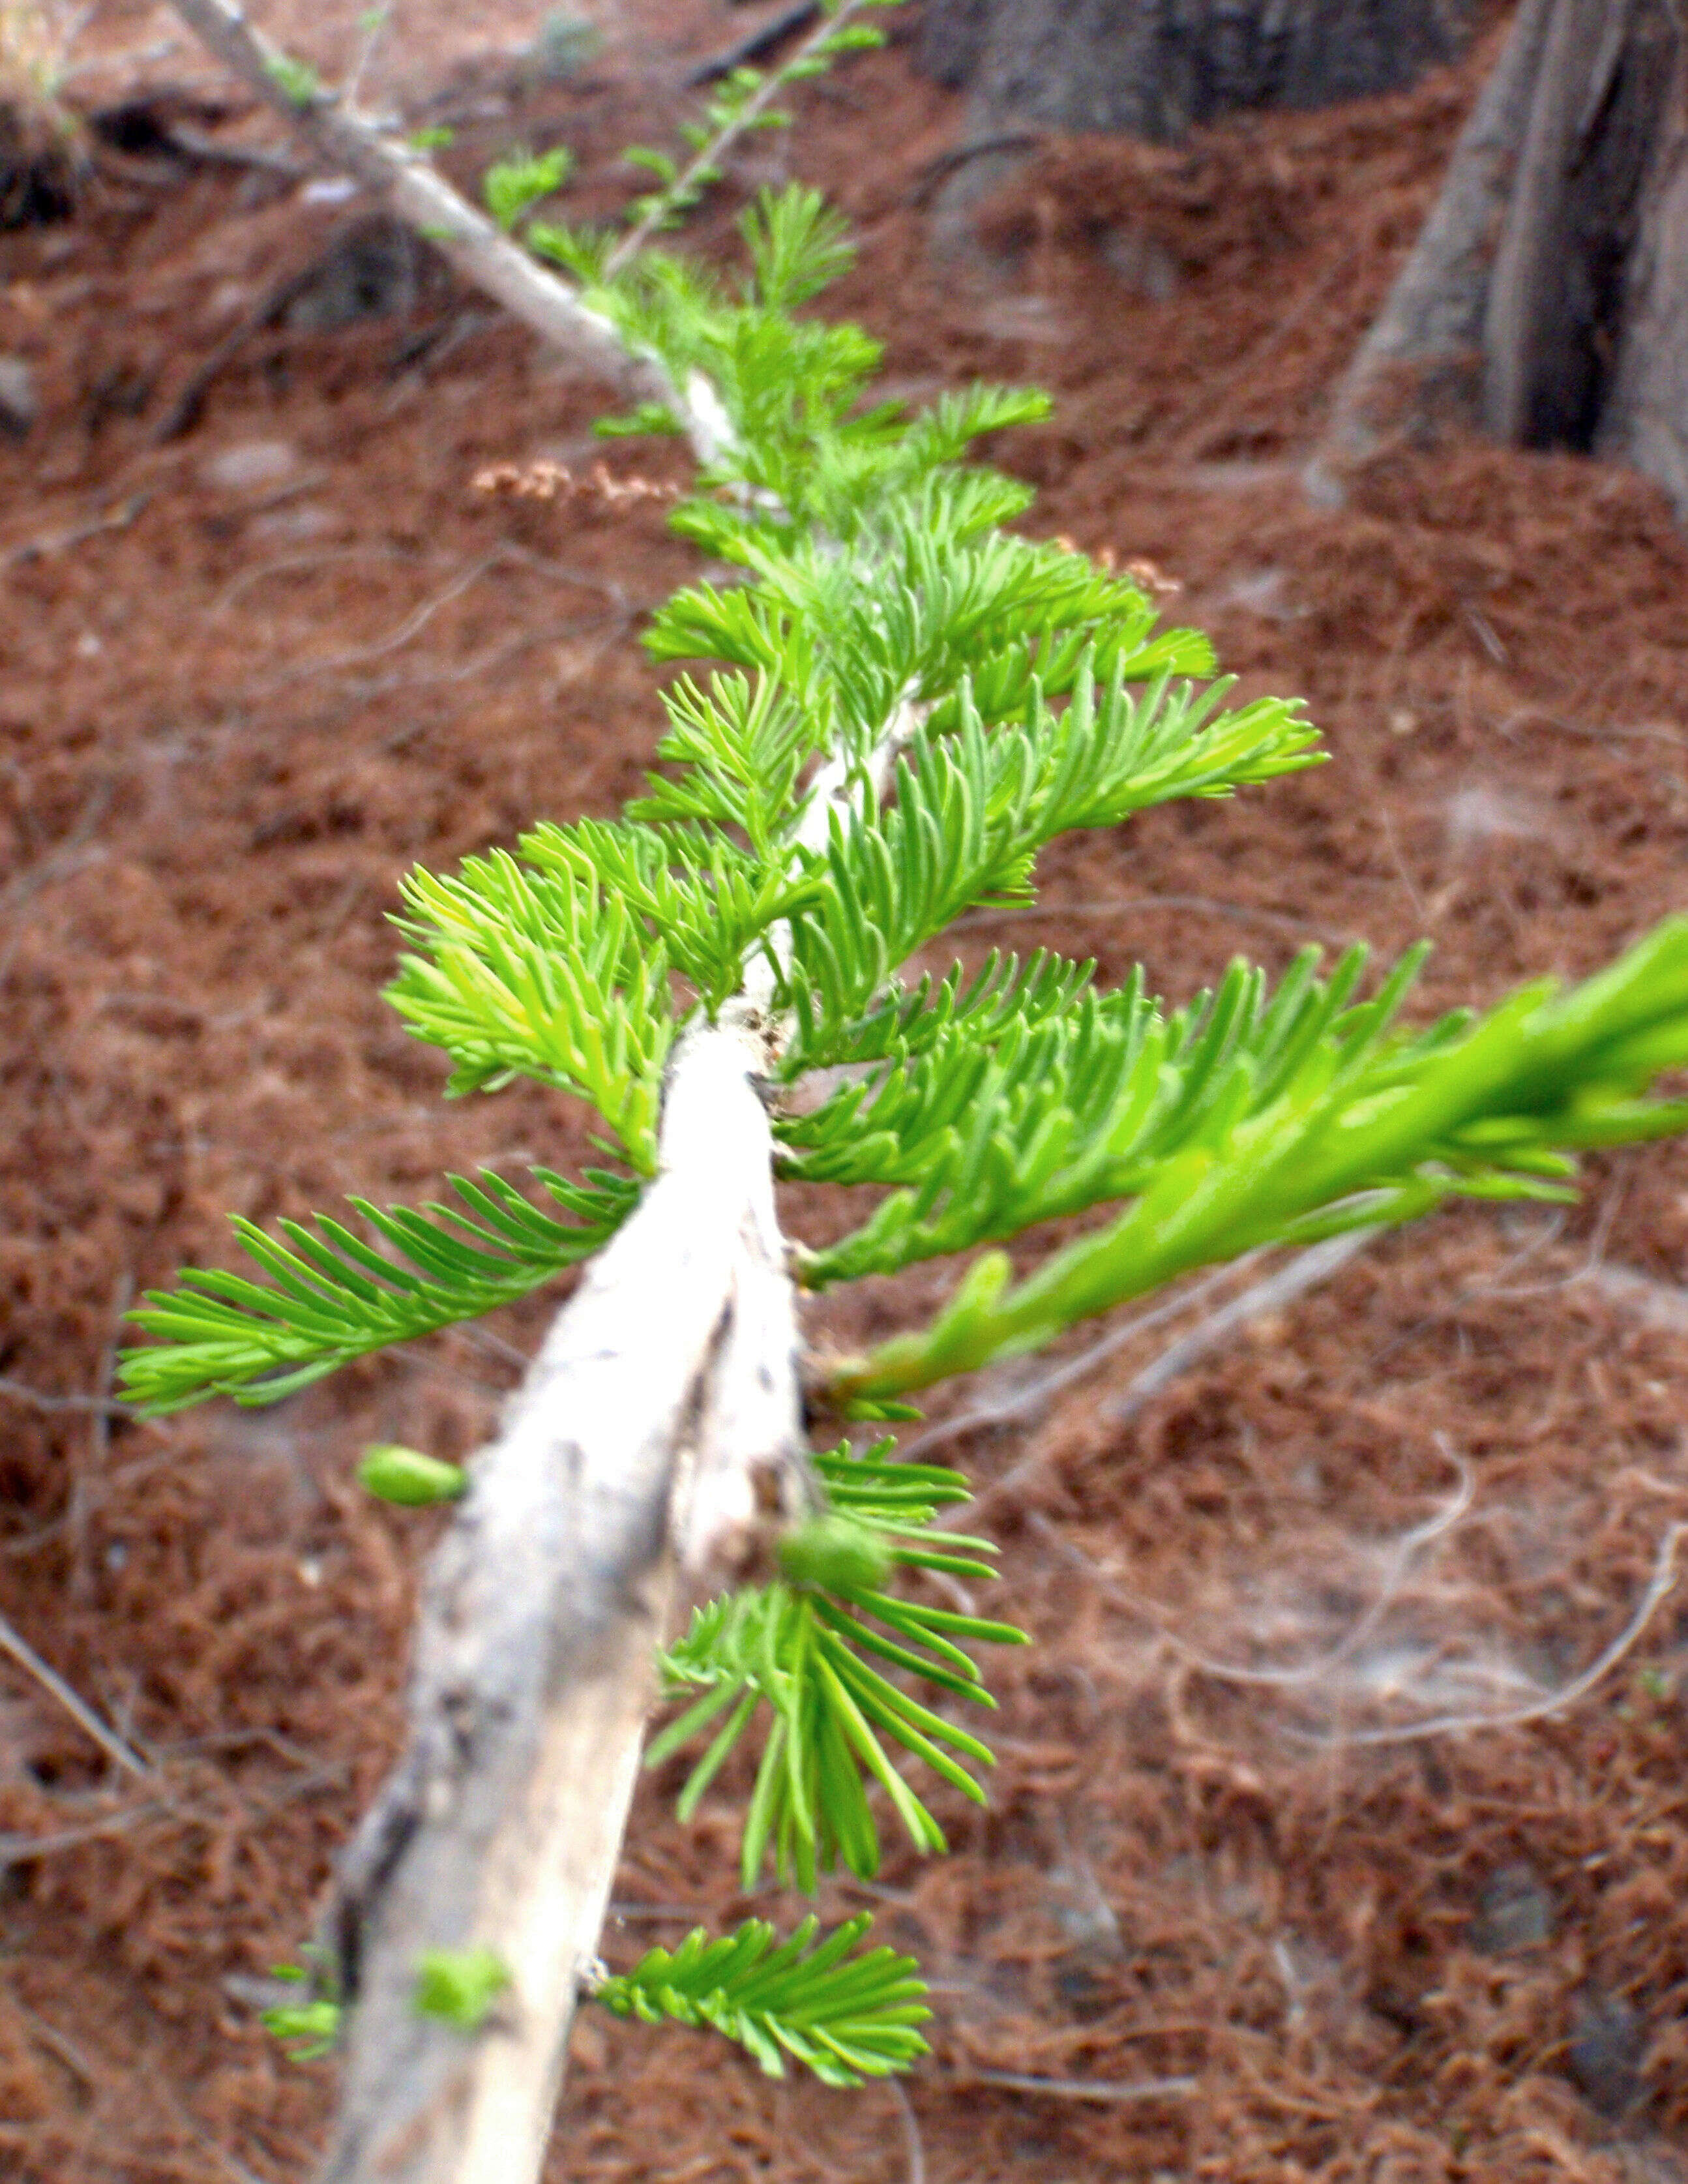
1086	2089
40	1401
87	1476
260	158
935	171
287	564
1304	1272
1395	1572
375	28
29	1543
18	1849
1184	438
712	152
59	542
1591	1269
469	241
913	2144
1489	1287
57	2045
477	665
753	45
358	655
58	863
1317	1263
419	617
185	412
80	1712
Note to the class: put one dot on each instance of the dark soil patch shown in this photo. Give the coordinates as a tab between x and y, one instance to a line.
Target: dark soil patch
251	674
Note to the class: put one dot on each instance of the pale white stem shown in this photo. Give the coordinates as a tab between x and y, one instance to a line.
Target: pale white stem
833	789
535	1665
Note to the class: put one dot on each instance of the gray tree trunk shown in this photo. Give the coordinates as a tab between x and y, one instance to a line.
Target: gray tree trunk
1546	300
1155	67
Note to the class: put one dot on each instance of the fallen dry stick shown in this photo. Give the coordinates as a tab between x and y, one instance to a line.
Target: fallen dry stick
501	1827
475	247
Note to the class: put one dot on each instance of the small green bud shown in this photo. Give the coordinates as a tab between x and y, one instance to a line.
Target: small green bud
835	1554
308	2029
459	1985
299	82
396	1473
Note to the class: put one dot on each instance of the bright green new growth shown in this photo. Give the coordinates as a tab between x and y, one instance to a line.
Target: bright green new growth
1035	693
460	1986
406	1476
742	101
845	2018
519	181
834	1552
1049	703
308	2028
336	1297
799	1647
300	82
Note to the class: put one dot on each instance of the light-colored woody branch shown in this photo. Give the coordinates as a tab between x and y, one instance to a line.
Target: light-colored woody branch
662	1407
675	1363
662	1404
475	247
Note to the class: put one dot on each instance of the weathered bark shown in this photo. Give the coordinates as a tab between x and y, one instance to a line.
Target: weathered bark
1556	298
659	1418
1155	67
1423	353
1546	300
502	1827
1644	416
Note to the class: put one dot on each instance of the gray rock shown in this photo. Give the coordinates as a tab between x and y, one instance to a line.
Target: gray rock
250	464
1514	1912
1608	2041
20	396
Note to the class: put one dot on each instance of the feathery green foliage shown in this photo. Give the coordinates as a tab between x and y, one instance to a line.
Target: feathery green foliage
971	812
522	973
799	1649
520	179
743	100
844	2017
844	2013
334	1297
1349	1129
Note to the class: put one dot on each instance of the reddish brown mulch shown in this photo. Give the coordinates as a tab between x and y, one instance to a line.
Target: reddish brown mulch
251	674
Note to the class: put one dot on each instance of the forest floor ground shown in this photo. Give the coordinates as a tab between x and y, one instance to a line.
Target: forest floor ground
251	670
